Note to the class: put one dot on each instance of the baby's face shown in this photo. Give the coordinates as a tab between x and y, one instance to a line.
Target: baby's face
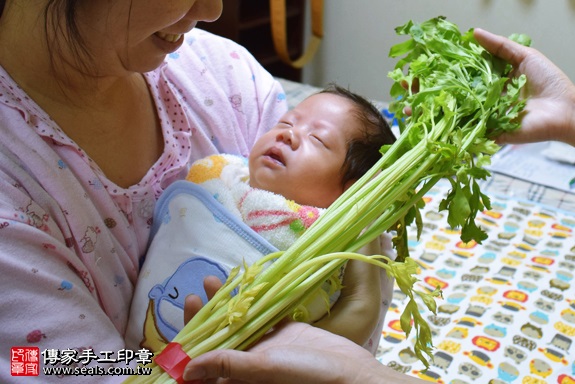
301	157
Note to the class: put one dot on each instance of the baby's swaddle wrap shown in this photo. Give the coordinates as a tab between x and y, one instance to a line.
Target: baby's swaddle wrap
279	220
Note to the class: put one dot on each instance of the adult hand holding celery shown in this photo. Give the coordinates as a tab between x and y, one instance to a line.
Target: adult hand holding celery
465	96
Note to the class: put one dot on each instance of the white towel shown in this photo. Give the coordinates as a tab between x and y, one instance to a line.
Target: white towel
277	219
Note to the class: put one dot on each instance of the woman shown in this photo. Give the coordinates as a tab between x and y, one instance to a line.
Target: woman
102	105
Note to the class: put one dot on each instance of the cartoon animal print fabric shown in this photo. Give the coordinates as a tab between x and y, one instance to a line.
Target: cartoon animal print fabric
508	308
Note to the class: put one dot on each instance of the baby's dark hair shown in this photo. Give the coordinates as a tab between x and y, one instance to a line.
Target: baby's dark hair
362	151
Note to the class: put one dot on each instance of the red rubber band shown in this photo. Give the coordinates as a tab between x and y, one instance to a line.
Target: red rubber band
173	360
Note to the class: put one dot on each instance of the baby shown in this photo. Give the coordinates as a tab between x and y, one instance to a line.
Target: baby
308	159
294	171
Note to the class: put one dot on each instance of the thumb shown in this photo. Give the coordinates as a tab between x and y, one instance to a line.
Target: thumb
500	46
235	365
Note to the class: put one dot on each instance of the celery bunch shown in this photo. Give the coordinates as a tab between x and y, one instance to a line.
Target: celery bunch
459	104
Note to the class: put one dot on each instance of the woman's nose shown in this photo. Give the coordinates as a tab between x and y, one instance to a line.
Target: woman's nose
206	10
289	137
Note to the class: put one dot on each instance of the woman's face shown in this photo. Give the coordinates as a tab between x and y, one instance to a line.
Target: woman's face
136	35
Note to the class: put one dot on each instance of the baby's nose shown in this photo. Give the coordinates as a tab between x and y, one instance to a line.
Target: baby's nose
288	137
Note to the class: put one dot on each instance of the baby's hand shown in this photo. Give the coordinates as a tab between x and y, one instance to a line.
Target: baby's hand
193	303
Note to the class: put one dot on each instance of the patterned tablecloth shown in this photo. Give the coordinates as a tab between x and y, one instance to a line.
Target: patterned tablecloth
508	308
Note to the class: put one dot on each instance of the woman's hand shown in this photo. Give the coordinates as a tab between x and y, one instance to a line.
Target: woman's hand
356	312
295	353
550	110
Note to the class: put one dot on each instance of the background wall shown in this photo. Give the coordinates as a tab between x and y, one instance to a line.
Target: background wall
359	34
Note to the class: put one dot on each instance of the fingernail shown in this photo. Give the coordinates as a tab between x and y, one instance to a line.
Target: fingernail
194	374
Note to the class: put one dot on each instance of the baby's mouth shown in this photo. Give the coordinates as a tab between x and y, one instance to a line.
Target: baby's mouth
276	155
169	37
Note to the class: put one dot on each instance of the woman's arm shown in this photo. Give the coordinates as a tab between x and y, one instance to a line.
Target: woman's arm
359	312
356	312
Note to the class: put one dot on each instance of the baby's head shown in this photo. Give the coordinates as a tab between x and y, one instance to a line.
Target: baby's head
320	148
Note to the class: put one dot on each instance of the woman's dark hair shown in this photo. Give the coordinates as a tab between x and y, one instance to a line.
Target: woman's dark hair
66	32
53	13
363	150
